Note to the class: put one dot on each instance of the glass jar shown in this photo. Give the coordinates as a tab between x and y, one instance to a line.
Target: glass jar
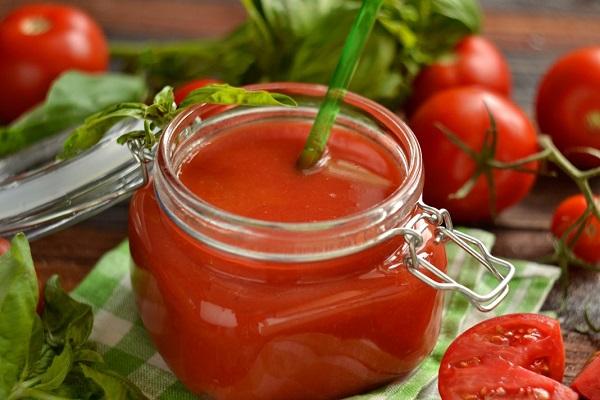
249	309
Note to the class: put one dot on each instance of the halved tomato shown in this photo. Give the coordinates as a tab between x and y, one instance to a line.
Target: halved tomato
517	356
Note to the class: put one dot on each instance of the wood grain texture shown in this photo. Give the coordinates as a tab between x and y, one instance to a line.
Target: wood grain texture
531	33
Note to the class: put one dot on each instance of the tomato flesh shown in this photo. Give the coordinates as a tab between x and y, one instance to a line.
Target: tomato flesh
587	246
519	356
587	383
503	380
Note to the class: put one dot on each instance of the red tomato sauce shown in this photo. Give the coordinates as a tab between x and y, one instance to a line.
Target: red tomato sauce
237	328
251	172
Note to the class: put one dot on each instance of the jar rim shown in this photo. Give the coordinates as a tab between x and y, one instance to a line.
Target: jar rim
375	111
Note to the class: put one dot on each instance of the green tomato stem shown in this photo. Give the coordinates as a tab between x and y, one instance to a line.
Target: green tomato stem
581	178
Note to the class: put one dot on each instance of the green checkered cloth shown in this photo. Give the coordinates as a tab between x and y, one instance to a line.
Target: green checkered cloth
128	350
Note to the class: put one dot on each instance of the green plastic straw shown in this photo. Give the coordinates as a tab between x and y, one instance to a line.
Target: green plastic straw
355	43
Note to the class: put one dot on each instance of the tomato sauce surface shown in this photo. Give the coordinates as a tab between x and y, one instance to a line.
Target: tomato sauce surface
233	327
250	171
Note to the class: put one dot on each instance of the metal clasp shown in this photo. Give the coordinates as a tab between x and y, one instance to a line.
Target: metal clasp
502	270
144	157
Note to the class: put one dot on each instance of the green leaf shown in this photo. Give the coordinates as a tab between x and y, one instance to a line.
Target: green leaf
294	18
72	97
66	320
165	99
301	40
317	54
261	38
78	386
56	373
40	354
465	12
96	126
89	356
18	300
41	361
225	94
115	387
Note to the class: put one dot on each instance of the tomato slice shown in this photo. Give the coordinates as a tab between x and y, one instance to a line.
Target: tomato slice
587	383
517	356
499	379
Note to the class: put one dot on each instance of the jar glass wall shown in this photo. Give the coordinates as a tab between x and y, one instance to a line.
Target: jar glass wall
247	309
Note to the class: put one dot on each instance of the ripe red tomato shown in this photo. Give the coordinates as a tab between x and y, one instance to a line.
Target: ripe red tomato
517	356
447	167
587	246
568	104
182	91
37	43
4	246
476	61
587	383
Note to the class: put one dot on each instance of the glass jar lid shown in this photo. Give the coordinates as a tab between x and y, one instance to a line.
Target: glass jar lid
39	194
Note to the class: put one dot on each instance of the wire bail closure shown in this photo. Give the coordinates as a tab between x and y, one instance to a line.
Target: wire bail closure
445	232
144	157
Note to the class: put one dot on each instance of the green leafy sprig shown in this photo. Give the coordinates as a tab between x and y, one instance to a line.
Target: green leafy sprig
301	41
157	115
49	357
486	162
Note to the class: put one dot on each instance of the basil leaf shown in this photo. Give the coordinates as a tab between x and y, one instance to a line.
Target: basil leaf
18	299
40	354
72	97
158	114
165	100
115	387
300	40
225	94
66	320
377	74
464	12
88	355
293	18
40	361
96	126
78	386
56	373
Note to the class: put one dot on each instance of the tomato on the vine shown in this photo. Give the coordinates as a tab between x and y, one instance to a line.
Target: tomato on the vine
37	43
517	356
587	245
568	104
465	112
475	61
182	91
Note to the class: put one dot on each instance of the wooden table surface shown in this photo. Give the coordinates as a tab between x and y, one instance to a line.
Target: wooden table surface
531	34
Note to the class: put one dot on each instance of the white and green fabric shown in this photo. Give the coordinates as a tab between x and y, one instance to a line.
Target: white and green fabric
128	350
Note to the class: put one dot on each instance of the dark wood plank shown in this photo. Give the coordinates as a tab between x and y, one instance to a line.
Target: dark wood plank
157	19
